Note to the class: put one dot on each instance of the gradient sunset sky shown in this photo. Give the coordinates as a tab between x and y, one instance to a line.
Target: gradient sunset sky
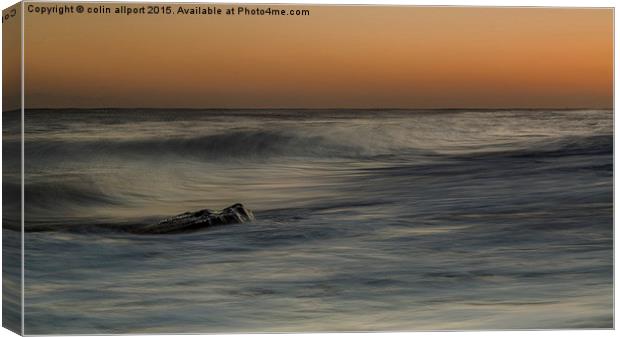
339	56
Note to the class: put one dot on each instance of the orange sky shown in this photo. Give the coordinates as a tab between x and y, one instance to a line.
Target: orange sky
339	56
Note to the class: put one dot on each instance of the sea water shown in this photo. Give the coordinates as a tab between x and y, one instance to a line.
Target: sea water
366	220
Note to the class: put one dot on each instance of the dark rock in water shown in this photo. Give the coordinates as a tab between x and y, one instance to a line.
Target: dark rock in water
191	221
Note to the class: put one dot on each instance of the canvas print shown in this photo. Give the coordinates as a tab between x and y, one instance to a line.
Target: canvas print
233	168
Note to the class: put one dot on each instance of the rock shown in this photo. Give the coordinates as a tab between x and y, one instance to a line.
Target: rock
191	221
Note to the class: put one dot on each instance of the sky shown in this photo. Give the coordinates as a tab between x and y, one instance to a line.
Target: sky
11	60
337	57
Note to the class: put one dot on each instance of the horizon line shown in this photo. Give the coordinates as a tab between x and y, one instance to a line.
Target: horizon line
318	108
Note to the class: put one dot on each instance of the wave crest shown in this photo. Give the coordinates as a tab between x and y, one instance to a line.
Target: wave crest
237	144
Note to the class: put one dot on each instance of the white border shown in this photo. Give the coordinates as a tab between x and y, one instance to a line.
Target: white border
23	275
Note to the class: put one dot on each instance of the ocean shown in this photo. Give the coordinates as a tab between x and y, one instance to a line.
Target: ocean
366	220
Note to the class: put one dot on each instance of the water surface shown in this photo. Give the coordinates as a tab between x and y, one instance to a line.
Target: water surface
366	220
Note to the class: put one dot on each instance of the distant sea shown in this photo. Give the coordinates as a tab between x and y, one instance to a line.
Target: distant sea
366	220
